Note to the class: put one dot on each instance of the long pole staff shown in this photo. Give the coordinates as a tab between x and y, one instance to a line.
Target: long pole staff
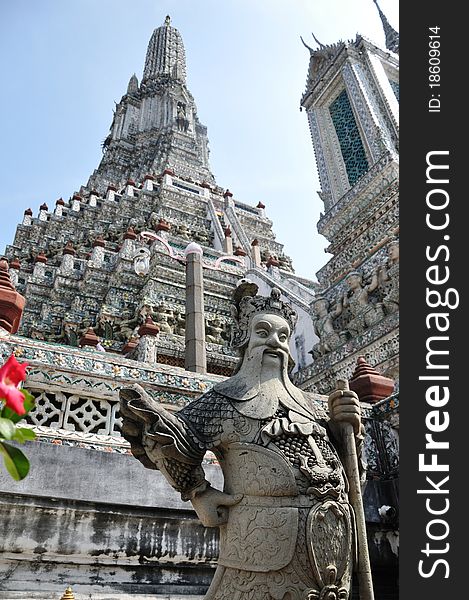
365	581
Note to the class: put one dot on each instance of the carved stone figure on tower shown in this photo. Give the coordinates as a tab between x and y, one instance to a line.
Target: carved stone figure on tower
68	334
104	326
286	525
86	323
128	327
181	120
162	318
183	232
323	325
179	323
389	278
214	331
364	313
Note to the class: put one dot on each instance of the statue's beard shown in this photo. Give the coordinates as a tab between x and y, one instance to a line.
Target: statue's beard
260	382
260	386
264	362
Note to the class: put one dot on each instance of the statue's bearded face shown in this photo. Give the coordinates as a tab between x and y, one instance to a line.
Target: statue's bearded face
269	335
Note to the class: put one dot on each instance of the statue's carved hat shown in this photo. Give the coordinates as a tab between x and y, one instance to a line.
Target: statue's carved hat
246	304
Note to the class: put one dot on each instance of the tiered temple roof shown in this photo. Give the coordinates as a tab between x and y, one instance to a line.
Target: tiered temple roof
151	195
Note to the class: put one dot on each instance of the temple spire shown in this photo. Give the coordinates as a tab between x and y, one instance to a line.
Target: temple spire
391	35
132	88
166	56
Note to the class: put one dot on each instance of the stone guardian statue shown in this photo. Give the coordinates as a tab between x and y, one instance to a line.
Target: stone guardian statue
286	524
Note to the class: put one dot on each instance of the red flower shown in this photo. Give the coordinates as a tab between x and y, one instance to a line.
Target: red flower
11	374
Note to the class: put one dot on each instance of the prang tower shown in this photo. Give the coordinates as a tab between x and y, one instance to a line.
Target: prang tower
352	103
152	194
155	125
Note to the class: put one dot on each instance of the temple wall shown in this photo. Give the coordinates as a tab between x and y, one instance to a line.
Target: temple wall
100	522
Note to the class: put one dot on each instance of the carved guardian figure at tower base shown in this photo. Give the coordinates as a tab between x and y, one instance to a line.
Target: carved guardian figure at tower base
286	525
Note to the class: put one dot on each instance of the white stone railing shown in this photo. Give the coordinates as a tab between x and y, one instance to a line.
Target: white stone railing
75	412
237	228
217	228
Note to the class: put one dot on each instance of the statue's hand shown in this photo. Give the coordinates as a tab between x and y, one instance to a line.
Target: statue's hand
134	424
344	407
212	506
153	432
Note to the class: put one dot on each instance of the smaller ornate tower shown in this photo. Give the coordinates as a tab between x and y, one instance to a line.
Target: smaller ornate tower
392	36
352	103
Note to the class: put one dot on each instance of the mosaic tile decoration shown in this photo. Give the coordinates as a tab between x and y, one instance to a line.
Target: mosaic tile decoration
351	146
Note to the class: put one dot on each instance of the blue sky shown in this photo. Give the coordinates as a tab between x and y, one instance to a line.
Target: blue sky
65	63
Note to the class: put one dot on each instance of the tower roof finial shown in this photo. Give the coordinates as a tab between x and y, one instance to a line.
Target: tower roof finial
392	36
317	41
132	87
321	46
306	45
165	54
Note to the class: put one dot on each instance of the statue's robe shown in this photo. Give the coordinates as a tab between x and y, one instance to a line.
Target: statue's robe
291	537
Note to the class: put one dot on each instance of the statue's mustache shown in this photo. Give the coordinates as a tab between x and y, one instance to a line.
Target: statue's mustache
274	352
258	353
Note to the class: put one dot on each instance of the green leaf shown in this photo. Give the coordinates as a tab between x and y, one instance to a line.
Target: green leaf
10	414
15	461
7	429
29	403
29	400
23	434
